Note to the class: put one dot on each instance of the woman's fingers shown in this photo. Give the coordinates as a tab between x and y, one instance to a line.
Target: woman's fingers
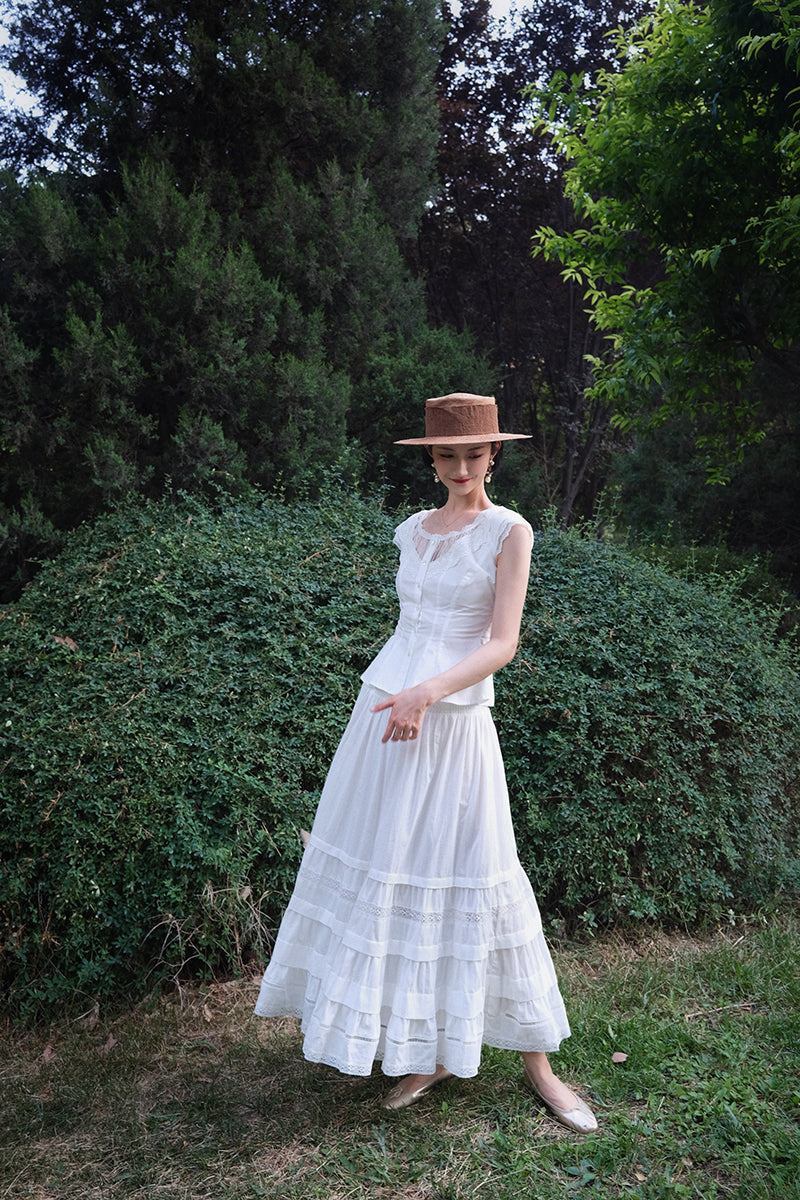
404	721
401	733
395	732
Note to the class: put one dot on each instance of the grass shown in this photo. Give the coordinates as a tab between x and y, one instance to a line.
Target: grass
191	1096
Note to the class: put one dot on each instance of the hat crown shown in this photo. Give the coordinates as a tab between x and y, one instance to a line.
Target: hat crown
454	399
459	418
461	415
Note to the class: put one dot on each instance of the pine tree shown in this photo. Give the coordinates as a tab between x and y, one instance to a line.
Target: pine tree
210	284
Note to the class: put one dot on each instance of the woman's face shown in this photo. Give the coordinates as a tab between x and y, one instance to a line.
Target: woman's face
462	468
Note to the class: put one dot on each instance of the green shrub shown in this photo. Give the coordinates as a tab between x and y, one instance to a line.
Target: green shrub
177	681
650	728
159	763
714	566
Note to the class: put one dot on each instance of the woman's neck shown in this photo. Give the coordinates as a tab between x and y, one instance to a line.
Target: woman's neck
460	510
464	505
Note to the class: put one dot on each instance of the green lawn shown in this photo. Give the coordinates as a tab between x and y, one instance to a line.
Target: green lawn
191	1096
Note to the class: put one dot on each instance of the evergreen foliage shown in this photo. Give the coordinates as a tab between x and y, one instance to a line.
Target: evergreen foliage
225	92
176	681
206	226
209	284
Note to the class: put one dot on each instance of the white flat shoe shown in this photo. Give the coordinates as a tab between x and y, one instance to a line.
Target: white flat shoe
401	1095
580	1119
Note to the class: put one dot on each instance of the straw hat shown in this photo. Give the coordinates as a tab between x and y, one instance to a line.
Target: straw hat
458	419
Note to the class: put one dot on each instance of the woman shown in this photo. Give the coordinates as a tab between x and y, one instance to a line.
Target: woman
413	935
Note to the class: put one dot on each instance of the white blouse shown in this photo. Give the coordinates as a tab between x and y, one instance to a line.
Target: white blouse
445	583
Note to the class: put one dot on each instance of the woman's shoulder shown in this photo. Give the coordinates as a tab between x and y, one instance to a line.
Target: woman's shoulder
411	521
407	527
415	516
505	519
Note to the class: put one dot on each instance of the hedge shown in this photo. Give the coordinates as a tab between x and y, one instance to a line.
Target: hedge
178	678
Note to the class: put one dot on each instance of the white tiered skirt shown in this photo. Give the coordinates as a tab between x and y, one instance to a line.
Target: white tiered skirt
413	935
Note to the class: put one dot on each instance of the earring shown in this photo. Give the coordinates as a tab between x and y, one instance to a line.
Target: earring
488	476
436	475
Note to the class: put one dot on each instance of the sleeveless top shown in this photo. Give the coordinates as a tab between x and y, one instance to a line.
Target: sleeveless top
445	584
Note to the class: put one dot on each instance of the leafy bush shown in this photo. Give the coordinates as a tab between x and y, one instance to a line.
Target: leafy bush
715	564
745	575
653	750
177	681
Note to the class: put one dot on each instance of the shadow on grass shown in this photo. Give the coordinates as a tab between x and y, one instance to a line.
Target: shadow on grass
201	1099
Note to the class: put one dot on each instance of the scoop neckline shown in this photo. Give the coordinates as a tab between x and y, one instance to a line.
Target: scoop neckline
451	532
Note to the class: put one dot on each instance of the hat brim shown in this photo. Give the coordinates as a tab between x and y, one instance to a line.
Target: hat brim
463	439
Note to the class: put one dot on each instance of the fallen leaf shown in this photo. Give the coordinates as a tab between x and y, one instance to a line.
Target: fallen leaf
90	1019
68	642
207	1013
48	1054
110	1043
618	1056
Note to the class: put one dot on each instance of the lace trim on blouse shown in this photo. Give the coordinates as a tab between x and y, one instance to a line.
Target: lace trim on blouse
479	531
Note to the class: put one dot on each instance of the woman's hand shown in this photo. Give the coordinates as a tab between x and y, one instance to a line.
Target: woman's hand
407	710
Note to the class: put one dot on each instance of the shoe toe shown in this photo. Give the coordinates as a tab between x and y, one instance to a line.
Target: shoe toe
398	1097
401	1096
580	1119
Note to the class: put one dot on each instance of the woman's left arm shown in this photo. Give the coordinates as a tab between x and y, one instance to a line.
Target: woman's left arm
511	584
